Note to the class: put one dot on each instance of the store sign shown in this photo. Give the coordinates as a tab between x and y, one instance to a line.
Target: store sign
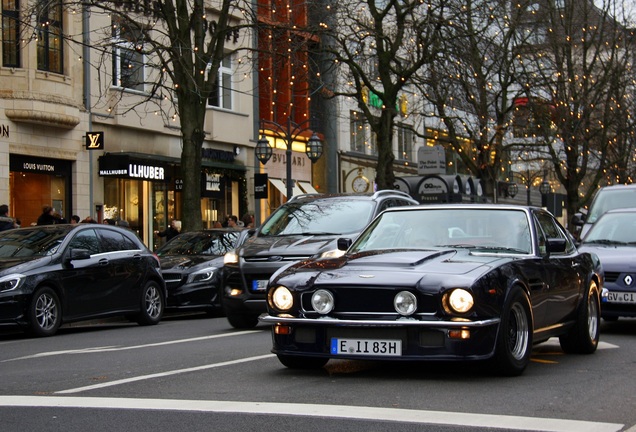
38	165
260	186
4	131
122	166
431	160
94	140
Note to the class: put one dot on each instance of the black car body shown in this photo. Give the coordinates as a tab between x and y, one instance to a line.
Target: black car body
306	226
440	282
192	264
55	274
613	239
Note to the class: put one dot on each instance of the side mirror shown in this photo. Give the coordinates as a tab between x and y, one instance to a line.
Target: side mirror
76	254
578	219
344	243
556	245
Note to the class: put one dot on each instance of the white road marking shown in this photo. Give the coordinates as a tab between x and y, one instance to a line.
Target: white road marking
314	410
124	348
162	374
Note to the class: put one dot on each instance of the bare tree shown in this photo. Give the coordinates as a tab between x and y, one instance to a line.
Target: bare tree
182	43
375	50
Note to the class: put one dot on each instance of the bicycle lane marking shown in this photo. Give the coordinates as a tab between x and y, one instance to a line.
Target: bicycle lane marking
319	410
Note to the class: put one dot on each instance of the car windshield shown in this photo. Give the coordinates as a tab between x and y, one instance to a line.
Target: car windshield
319	217
613	228
610	199
200	243
28	242
489	230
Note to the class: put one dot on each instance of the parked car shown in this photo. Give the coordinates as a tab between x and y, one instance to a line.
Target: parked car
606	198
55	274
440	282
304	227
613	239
192	263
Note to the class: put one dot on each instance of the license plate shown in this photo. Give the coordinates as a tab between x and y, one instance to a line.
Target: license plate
621	297
374	347
259	285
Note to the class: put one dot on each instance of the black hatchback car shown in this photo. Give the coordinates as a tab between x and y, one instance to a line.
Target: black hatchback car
192	264
307	226
55	274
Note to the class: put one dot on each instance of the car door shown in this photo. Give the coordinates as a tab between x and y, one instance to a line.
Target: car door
126	270
561	271
85	281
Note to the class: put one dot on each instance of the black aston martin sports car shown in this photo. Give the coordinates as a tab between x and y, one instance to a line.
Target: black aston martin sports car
440	282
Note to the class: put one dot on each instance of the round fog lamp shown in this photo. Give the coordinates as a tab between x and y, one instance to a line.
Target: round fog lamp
405	303
281	298
322	301
460	301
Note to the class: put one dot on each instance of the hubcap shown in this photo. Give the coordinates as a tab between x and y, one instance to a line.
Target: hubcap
518	331
46	312
153	302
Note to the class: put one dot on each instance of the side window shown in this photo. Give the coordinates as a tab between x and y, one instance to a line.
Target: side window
86	239
113	241
552	230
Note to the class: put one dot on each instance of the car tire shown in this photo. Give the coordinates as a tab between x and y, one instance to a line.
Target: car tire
514	340
299	362
45	313
242	321
152	304
583	337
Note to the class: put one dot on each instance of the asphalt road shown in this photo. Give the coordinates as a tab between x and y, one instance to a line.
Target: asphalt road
191	373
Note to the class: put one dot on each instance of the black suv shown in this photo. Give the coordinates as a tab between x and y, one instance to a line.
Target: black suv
307	226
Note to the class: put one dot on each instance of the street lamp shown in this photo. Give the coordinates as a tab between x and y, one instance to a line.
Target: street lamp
545	189
290	133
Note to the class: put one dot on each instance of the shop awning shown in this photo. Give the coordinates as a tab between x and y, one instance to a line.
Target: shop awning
307	187
280	185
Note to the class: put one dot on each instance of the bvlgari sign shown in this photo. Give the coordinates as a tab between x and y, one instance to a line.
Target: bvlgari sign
113	165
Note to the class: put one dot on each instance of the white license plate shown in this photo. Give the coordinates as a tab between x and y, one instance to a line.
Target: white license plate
374	347
621	297
259	285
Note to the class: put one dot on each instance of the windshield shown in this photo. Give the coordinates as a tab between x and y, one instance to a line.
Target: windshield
610	199
200	243
613	228
491	230
319	217
31	242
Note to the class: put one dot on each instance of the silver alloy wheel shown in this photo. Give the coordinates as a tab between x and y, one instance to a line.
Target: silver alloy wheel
518	331
46	311
153	302
592	314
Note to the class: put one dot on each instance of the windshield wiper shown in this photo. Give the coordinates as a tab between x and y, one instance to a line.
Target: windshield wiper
317	233
605	242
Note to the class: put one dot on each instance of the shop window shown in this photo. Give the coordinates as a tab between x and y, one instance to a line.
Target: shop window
50	37
10	33
128	58
221	96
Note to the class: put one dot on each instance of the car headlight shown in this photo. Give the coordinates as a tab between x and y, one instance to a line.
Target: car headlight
203	275
405	303
336	253
11	282
281	298
460	300
231	258
322	301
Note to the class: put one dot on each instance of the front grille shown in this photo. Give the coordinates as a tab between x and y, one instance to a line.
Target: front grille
611	276
357	301
283	259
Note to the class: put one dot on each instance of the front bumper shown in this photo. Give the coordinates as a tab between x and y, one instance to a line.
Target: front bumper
420	339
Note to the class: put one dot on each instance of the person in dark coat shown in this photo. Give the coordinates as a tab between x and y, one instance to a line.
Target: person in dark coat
172	231
47	217
6	223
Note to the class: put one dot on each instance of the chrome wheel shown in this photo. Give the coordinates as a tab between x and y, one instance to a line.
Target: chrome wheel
154	304
46	311
518	332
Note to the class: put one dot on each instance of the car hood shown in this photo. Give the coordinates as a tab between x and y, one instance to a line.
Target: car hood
402	268
21	264
612	256
186	262
297	245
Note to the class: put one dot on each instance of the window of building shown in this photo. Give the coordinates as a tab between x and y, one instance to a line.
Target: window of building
128	58
221	96
10	33
49	33
357	128
404	142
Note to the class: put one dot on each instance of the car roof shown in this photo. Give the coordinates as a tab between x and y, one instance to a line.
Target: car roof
621	210
372	196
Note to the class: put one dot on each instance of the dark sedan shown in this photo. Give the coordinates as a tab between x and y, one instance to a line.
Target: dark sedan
192	264
440	282
613	239
55	274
